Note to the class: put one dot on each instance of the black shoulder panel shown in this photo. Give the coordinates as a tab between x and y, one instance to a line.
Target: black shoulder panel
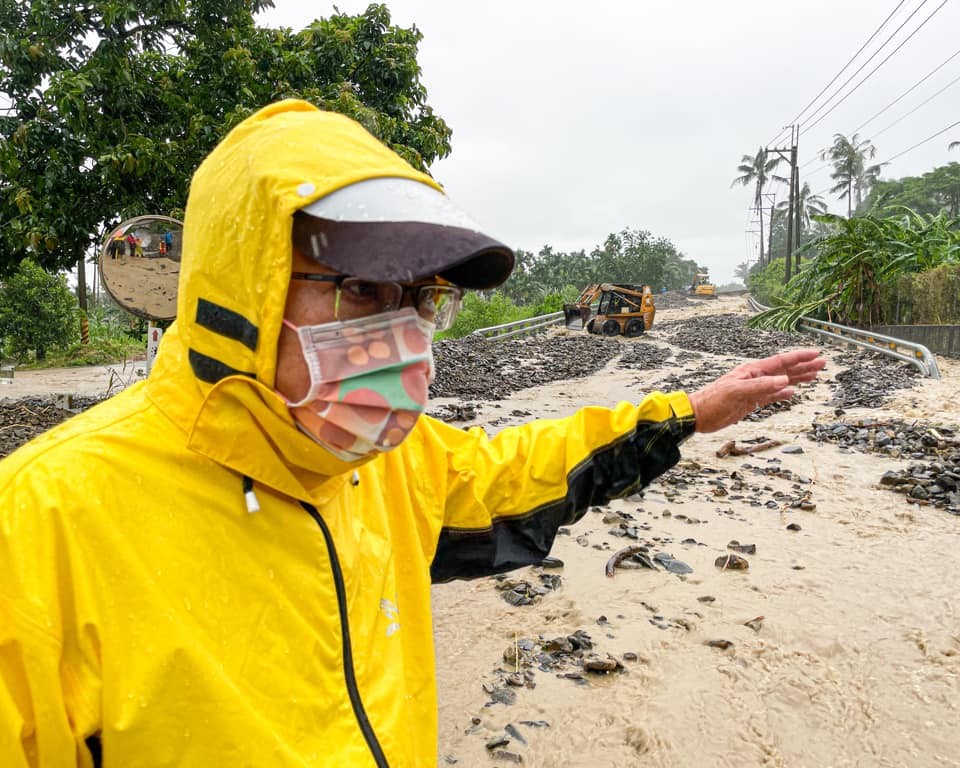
227	323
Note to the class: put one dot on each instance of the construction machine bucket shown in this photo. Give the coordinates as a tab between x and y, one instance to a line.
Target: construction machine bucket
575	316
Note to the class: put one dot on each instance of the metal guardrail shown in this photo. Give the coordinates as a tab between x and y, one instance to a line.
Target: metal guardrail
915	354
519	327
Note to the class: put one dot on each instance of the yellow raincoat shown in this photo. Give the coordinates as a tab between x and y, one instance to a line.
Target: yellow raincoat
147	618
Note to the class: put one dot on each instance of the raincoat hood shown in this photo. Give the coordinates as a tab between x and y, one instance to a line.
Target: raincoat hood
216	367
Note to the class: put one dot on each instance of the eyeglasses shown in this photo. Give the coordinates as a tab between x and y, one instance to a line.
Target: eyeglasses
356	298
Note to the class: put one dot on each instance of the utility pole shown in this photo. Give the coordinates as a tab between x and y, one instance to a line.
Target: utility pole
796	200
793	205
772	197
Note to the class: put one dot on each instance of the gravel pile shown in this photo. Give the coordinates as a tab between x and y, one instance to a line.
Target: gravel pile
22	420
644	356
869	379
728	334
934	477
481	369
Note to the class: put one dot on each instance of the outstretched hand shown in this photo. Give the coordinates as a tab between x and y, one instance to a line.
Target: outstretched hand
753	385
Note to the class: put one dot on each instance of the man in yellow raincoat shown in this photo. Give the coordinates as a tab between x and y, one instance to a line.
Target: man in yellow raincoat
229	564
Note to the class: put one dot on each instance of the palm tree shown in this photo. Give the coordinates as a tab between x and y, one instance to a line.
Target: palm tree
809	205
758	170
853	176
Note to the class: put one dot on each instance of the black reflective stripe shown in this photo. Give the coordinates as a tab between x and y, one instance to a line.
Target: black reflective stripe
210	370
95	747
614	470
227	323
348	672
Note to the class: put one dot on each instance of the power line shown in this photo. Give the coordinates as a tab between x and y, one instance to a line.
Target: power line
817	155
909	90
921	104
895	122
843	68
872	71
929	138
909	149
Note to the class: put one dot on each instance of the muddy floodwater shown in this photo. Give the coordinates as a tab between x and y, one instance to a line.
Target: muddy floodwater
789	607
838	646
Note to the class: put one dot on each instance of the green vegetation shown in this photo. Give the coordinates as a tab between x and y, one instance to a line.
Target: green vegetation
894	259
542	284
38	313
480	312
630	256
853	176
40	320
872	269
935	191
111	105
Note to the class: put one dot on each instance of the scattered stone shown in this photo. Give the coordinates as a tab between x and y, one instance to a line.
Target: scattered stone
721	644
755	624
792	449
604	666
794	527
455	412
732	562
707	599
746	549
671	564
519	592
500	695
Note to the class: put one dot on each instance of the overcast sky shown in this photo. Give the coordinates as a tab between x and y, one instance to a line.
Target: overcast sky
574	120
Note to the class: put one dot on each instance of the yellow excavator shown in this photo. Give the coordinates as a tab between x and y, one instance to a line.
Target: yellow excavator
701	287
623	308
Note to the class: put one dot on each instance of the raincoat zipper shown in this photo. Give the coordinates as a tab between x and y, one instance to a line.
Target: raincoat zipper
348	672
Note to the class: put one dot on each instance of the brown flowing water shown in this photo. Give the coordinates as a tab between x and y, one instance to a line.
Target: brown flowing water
853	656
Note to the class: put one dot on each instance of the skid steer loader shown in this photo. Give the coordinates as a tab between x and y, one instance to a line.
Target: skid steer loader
623	308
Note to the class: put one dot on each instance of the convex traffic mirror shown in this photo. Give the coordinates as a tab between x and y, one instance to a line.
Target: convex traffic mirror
140	265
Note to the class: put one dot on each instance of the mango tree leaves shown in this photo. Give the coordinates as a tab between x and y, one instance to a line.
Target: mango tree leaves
111	104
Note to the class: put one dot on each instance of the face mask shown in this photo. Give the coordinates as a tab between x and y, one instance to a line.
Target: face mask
368	381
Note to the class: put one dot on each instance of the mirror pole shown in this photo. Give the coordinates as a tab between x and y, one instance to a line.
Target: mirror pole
154	334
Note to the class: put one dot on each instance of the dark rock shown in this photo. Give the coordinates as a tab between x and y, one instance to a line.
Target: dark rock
732	562
671	564
721	644
604	666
